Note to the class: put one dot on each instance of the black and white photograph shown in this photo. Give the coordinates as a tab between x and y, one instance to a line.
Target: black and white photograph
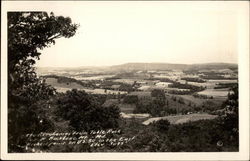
123	77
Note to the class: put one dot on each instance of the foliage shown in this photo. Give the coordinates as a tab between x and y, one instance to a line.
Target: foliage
210	106
190	79
84	112
63	79
181	100
161	79
29	32
201	96
126	87
179	92
126	75
225	85
130	99
154	107
158	93
107	84
214	75
230	120
162	125
220	134
192	88
198	136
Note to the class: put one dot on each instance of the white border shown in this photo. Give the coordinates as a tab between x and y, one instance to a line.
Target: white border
243	52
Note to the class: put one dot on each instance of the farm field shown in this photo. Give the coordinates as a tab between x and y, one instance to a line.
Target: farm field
224	81
192	99
142	104
180	119
127	108
93	91
210	84
128	81
199	101
63	87
175	104
215	92
124	115
99	77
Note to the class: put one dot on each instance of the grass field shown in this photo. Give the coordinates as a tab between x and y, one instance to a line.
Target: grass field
199	101
188	103
99	77
179	119
127	108
63	87
210	84
190	98
179	106
215	92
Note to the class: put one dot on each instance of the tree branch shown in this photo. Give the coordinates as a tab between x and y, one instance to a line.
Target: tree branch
54	37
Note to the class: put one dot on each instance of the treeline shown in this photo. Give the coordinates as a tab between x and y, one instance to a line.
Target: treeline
158	105
63	79
126	75
191	88
220	134
196	95
154	106
106	84
185	86
200	136
161	79
180	92
215	76
198	80
225	85
85	112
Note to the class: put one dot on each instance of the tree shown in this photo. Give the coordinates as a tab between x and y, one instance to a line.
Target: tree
84	112
158	93
230	121
162	125
130	99
29	32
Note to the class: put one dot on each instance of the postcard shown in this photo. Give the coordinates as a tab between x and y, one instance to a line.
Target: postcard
125	80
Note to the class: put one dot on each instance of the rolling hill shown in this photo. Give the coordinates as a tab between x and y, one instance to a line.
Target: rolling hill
143	66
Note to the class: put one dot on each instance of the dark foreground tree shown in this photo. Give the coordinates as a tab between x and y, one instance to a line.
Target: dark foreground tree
230	120
84	112
29	32
162	125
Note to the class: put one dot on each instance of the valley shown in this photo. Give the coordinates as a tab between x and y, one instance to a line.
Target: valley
198	89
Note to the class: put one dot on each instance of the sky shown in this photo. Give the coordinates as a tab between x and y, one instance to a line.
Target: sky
113	33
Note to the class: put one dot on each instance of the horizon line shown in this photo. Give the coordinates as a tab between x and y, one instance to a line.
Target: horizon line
99	66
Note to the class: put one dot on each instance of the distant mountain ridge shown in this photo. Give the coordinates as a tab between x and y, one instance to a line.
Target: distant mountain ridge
169	66
149	66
